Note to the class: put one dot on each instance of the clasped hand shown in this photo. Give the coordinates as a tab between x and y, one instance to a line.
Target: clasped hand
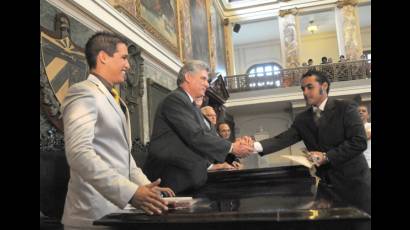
243	147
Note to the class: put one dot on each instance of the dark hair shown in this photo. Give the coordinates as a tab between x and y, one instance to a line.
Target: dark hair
310	60
320	77
324	58
101	41
220	123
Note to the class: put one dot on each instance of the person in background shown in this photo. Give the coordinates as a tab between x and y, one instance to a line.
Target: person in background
364	115
329	60
224	130
324	60
310	62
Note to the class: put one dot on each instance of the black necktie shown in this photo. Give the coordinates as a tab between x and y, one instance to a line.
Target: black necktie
316	116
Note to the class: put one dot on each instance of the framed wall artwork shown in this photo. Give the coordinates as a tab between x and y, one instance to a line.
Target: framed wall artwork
218	41
157	17
199	30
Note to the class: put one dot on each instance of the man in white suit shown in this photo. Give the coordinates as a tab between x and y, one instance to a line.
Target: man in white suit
103	175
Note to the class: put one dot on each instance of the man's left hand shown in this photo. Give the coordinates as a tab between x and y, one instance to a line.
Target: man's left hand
237	165
318	158
166	190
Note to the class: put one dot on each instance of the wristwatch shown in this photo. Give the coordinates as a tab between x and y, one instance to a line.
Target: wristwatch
325	156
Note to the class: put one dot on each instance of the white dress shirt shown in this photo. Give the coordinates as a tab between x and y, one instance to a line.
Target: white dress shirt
257	145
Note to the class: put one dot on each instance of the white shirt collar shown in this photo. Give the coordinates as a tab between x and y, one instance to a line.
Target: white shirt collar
321	106
190	97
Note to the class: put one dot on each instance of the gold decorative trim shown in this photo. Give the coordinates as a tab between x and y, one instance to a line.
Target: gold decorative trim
212	59
342	3
283	13
147	26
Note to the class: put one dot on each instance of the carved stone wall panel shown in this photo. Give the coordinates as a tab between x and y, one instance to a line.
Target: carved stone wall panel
290	40
160	76
132	90
79	32
62	63
351	33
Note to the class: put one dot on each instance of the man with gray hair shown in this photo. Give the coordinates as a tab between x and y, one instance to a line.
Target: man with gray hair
180	142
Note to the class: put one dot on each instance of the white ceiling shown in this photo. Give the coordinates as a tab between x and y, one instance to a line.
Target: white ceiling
251	32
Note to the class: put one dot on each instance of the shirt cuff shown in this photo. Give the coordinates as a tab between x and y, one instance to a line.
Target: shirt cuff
210	166
258	147
230	150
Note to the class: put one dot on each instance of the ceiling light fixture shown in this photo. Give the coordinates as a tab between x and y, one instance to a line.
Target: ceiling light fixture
312	28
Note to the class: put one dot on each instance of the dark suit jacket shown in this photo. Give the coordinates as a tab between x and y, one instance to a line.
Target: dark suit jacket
230	157
341	135
181	144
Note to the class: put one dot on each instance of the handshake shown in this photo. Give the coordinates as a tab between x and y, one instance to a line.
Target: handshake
243	147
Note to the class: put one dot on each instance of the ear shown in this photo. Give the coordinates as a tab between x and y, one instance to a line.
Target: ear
325	86
102	57
187	77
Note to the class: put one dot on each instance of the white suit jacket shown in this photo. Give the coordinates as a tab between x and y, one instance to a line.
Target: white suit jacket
97	135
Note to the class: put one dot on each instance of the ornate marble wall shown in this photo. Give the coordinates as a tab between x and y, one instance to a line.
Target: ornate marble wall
289	38
160	75
351	32
51	138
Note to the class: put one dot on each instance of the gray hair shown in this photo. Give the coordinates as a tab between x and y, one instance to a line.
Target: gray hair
191	66
206	108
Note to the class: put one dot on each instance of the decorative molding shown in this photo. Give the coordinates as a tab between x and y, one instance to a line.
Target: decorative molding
139	20
342	3
283	13
226	21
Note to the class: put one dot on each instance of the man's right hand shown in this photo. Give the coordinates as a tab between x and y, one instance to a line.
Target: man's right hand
241	149
148	199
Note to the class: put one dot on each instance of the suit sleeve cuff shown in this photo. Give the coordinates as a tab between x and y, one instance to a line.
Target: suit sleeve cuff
230	150
258	147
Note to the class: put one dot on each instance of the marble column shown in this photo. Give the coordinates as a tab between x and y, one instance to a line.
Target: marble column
289	37
348	29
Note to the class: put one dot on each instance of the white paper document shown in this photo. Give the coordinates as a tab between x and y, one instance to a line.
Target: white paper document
179	202
174	203
303	160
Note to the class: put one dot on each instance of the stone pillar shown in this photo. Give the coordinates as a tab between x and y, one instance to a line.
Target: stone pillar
230	68
348	29
289	37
